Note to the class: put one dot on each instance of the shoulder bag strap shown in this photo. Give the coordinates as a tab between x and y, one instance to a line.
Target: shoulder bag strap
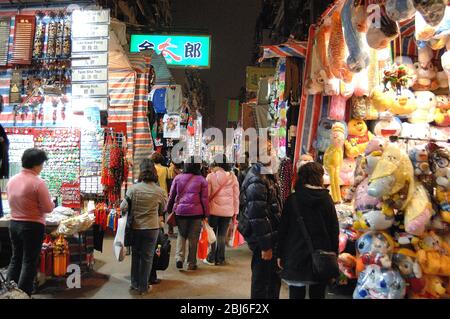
302	225
230	179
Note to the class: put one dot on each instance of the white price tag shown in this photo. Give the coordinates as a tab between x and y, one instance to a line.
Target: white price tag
93	60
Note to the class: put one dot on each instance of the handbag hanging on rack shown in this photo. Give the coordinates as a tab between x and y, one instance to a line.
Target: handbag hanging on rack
324	263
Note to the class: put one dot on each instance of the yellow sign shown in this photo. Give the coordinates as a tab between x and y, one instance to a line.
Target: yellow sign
254	74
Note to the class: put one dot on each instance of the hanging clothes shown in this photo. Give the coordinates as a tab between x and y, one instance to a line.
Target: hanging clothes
174	98
292	115
293	71
285	178
262	113
159	100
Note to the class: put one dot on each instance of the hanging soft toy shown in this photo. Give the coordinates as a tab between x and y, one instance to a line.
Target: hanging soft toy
363	109
433	11
404	103
357	59
348	171
374	247
405	262
442	112
440	166
382	101
419	157
323	140
377	283
418	212
400	10
393	179
361	83
380	36
426	73
408	65
336	49
333	159
426	108
337	108
323	38
445	59
358	138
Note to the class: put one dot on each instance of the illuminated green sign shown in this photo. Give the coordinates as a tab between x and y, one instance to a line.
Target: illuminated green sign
178	50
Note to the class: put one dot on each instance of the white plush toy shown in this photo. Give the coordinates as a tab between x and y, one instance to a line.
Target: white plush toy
426	107
420	130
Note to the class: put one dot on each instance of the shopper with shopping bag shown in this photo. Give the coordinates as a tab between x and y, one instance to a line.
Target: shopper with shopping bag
223	188
189	201
148	202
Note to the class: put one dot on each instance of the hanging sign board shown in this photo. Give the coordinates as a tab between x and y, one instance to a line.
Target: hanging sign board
94	60
91	16
70	195
90	31
178	50
254	74
81	45
5	25
90	89
81	75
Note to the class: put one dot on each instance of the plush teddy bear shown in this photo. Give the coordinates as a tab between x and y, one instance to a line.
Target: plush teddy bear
426	108
358	138
442	112
405	261
425	71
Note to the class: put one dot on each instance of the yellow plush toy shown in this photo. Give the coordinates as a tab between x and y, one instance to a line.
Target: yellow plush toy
404	104
434	288
358	138
434	263
443	196
382	101
333	159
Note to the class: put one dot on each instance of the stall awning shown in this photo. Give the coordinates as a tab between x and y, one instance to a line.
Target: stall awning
291	48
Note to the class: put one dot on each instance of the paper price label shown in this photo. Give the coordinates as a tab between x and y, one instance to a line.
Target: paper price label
87	75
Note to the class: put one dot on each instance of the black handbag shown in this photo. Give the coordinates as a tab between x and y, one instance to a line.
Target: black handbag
324	263
128	241
164	246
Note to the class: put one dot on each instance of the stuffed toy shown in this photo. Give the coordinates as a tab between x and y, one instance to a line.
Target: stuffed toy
347	265
414	131
358	138
380	36
336	49
433	288
423	31
337	108
426	108
333	159
382	101
331	86
432	11
442	80
440	134
430	241
404	103
378	283
434	263
442	112
419	211
361	84
375	242
347	171
323	38
358	177
358	59
445	59
405	262
346	89
443	199
440	165
419	158
408	64
323	140
426	72
386	128
399	10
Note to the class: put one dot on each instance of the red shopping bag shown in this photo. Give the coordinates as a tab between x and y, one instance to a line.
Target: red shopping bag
238	238
202	251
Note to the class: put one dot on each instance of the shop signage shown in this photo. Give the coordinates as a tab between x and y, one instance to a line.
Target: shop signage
93	60
89	89
81	75
91	16
70	195
5	25
254	74
178	50
90	31
80	103
80	45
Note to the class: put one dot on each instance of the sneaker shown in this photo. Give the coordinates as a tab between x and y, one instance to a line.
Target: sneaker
192	267
206	261
133	288
179	264
220	263
155	282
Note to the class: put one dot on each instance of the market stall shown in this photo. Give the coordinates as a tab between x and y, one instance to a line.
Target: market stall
373	109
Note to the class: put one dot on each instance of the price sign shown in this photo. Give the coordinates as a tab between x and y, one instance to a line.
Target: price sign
87	60
70	194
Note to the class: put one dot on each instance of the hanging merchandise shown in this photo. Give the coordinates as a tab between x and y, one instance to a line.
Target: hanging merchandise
174	97
60	256
285	178
172	125
101	215
23	39
333	159
59	35
46	257
16	85
51	36
5	25
159	100
39	37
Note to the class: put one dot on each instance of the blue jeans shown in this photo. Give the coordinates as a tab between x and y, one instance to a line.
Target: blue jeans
26	240
220	226
143	250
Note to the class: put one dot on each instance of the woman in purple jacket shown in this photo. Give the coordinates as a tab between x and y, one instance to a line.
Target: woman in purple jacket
189	200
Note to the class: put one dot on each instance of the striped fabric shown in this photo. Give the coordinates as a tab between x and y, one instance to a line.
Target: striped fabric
142	140
291	48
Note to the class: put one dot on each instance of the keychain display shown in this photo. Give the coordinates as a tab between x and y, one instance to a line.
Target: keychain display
39	37
51	36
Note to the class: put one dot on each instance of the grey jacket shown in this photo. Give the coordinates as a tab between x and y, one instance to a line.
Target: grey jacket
147	203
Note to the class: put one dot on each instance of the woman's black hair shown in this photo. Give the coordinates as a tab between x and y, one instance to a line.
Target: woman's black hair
192	166
222	162
157	158
147	172
33	157
311	173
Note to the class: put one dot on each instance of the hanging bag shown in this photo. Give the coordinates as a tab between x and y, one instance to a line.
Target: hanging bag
119	240
163	251
324	263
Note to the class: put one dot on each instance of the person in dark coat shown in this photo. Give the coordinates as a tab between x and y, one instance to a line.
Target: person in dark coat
319	215
261	205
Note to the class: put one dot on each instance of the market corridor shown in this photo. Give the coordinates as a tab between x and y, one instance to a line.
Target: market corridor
111	279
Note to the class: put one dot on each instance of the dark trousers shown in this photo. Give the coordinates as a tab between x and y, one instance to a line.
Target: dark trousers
315	292
26	241
266	282
220	226
143	250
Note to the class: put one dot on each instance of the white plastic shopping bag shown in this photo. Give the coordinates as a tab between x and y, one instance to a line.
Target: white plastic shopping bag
211	235
119	240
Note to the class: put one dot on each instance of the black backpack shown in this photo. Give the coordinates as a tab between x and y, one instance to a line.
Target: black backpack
161	262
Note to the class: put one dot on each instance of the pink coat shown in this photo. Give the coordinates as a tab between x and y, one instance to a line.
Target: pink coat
226	202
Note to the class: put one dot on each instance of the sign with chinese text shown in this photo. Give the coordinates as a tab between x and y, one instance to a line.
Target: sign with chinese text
90	89
70	195
254	74
82	45
81	75
178	50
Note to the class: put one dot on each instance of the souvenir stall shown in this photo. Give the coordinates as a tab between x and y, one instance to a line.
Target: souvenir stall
373	110
55	92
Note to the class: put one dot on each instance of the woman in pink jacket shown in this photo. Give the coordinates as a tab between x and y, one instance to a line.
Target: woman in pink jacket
223	190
